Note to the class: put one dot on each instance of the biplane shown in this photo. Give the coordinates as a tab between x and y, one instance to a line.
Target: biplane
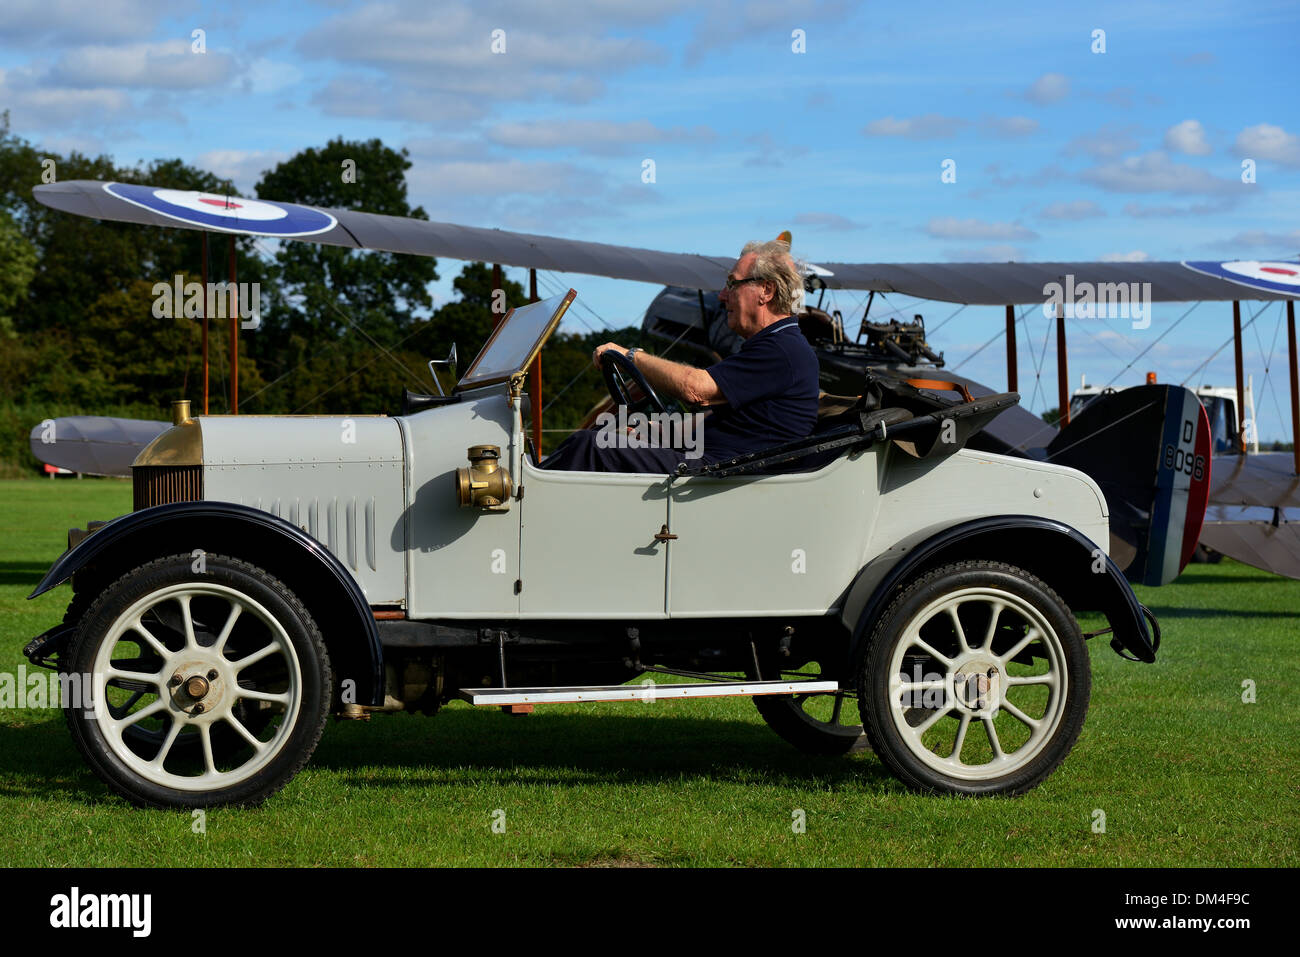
1158	500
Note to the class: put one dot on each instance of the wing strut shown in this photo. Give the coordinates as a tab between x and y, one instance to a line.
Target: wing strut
203	311
1241	391
234	332
1295	384
1062	368
536	387
1012	384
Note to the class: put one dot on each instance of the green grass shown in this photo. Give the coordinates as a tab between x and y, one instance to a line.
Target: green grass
1185	772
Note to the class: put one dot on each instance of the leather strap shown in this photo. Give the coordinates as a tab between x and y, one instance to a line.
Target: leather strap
939	385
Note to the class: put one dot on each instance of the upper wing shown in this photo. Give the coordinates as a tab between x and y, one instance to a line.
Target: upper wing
972	283
396	234
1000	284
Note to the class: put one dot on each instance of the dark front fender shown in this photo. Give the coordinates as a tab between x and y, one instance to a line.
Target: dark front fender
306	566
1062	556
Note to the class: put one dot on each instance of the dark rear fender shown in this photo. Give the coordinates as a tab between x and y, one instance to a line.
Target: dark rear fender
1063	557
306	566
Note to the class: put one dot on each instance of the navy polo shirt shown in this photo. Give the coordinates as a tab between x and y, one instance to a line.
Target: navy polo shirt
771	389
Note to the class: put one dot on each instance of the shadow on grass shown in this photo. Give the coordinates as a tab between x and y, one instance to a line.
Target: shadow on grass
39	760
590	748
23	573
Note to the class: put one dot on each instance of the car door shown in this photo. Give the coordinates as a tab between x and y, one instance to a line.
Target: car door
587	544
772	544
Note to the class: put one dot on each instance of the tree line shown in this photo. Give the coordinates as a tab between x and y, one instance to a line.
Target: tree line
341	330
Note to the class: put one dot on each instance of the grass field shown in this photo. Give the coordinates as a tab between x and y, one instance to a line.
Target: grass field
1184	771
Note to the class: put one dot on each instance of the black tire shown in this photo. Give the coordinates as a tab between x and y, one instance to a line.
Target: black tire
261	704
956	687
811	722
1206	556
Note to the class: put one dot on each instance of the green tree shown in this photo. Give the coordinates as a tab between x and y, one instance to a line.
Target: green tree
88	333
337	309
17	267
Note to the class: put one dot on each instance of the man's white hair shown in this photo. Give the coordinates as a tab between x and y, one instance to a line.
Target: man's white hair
775	265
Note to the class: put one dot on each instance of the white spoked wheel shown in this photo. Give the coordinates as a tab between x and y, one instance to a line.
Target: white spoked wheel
208	689
196	690
978	680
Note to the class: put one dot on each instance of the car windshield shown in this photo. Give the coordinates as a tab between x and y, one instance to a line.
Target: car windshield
515	341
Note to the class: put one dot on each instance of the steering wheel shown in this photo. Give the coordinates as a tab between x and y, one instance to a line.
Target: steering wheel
617	369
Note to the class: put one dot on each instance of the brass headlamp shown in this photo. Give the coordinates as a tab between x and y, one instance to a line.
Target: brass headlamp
485	484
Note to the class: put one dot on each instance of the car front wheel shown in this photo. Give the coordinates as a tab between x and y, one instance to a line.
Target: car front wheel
974	681
209	683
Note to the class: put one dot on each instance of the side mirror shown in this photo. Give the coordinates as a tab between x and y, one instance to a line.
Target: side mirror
450	361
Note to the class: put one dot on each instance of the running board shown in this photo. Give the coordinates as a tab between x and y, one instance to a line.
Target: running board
648	691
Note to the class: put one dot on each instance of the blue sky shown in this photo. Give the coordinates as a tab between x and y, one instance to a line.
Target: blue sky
1060	152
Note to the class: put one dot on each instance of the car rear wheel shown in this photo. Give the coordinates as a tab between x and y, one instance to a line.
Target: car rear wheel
814	723
208	686
974	681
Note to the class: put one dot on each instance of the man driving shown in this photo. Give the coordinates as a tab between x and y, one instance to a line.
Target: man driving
762	396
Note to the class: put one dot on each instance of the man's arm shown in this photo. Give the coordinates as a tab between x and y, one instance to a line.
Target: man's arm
693	386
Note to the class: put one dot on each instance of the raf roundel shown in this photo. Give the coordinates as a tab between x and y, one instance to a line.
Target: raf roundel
1281	277
231	214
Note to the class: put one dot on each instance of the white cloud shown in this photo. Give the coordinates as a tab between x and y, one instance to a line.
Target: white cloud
1258	237
949	227
501	177
431	68
64	144
39	107
361	96
441	148
1155	173
995	252
1109	142
1048	88
242	167
264	77
1269	142
595	136
1047	176
73	21
1010	126
731	23
170	65
1187	137
1217	205
1077	209
831	221
1133	256
927	127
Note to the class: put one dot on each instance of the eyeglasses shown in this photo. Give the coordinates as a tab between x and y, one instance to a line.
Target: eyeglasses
733	283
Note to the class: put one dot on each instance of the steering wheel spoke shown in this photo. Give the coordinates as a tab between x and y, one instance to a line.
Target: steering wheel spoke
618	370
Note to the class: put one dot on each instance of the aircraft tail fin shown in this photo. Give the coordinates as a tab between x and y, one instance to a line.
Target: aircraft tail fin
1149	449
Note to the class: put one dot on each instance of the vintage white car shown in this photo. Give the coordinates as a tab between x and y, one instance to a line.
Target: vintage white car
875	584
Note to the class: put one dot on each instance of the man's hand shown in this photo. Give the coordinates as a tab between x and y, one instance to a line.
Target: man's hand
595	356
